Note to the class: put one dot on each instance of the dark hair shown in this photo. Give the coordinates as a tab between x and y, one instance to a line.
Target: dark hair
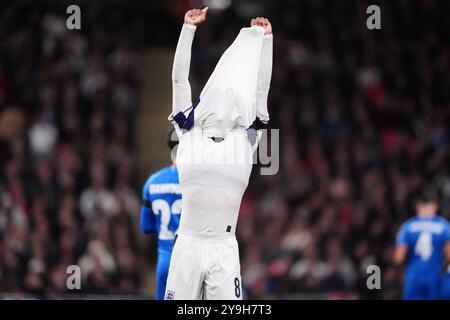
427	195
172	138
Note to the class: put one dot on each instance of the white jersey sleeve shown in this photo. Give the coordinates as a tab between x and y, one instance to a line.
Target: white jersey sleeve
181	95
264	76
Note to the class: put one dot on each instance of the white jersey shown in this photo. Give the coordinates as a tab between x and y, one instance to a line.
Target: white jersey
213	178
214	175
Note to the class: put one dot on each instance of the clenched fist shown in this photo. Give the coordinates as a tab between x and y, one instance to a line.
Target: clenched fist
262	22
195	16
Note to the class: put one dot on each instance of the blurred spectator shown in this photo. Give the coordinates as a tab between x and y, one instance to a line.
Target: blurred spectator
67	167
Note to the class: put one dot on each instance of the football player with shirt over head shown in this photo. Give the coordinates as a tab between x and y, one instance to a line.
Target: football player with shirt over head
218	135
160	214
423	243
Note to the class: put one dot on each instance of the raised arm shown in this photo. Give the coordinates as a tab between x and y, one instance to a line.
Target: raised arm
182	98
265	69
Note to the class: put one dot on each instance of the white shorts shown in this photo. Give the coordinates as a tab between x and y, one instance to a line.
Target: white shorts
204	269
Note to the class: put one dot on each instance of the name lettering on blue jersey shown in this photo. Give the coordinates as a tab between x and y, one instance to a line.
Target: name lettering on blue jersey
427	226
165	188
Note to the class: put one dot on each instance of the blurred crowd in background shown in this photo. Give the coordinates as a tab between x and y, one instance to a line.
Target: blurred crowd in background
66	191
364	119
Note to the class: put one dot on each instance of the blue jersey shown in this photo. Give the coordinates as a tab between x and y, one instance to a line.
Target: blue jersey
162	206
425	238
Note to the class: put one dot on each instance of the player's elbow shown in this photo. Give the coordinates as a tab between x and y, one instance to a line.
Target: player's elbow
397	261
179	72
447	252
145	221
175	77
399	255
145	229
179	80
